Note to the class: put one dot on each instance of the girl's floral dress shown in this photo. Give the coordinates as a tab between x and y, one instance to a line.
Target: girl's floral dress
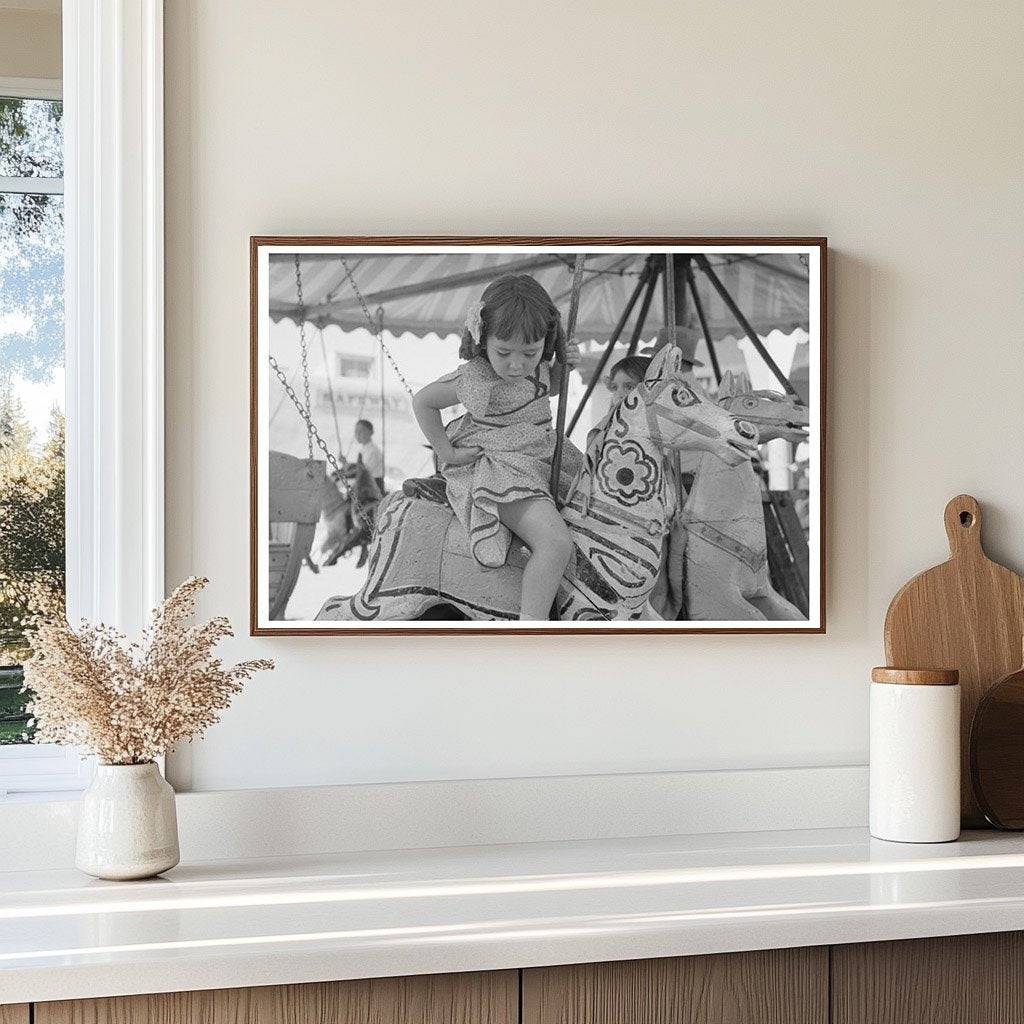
510	421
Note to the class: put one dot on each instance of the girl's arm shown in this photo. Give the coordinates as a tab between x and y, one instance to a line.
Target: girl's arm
427	404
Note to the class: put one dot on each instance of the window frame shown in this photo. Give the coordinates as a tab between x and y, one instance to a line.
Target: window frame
112	90
32	88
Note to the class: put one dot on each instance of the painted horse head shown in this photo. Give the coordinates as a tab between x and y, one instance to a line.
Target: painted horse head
675	416
776	415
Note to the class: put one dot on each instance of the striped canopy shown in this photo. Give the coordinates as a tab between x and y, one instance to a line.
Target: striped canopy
425	294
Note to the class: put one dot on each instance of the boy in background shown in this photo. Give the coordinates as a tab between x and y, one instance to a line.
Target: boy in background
368	453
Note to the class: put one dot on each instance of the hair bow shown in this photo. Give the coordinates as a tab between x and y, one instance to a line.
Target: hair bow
475	321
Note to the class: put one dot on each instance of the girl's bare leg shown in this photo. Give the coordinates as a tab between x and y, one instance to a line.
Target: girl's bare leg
537	523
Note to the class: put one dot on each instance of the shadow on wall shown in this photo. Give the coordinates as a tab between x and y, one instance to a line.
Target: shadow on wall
854	288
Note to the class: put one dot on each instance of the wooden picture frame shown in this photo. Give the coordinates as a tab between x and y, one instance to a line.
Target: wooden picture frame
325	296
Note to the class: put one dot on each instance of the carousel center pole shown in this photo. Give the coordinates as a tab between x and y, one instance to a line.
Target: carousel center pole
670	300
563	383
673	315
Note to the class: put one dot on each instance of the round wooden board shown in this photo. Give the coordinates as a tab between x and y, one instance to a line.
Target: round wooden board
997	752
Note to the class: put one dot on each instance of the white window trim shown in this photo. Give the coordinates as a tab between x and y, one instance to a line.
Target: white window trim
114	315
32	186
114	321
31	88
43	770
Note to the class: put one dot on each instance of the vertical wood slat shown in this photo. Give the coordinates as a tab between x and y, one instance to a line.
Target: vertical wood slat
959	979
477	998
776	986
14	1013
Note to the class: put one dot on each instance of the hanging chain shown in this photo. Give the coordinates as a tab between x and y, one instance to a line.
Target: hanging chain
314	436
312	433
376	327
304	348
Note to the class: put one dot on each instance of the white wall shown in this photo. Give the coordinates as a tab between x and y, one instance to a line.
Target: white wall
895	129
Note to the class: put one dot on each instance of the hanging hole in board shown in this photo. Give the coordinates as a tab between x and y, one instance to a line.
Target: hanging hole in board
966	519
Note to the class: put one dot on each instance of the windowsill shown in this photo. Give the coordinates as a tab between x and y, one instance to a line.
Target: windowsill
304	919
37	772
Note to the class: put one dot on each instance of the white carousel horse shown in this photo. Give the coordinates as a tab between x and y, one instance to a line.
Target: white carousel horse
348	523
618	508
726	553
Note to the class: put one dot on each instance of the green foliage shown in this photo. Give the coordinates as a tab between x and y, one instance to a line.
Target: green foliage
30	147
14	726
31	544
31	138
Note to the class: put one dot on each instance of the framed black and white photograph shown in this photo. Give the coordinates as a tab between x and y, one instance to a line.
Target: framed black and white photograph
537	435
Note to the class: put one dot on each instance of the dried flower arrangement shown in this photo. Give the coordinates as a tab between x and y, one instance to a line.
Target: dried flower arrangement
129	703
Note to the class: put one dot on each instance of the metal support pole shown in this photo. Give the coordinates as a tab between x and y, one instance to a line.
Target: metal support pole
563	383
383	410
680	265
744	323
699	307
641	317
606	354
669	294
673	458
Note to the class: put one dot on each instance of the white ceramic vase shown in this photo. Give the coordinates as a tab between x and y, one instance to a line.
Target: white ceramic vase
127	825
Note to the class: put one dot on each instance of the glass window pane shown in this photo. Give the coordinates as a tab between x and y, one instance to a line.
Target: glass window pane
31	138
31	432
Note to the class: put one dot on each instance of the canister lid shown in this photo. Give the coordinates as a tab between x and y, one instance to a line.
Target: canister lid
916	676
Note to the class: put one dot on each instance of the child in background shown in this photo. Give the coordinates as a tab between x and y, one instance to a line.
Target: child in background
497	462
626	374
368	453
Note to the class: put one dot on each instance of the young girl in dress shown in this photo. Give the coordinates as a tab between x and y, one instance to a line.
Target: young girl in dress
497	460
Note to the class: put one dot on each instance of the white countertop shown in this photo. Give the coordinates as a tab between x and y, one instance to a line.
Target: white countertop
261	922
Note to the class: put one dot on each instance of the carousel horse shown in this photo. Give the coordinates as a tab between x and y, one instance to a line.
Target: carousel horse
617	507
776	415
348	523
726	552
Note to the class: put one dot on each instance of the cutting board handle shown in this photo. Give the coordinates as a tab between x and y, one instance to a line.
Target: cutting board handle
963	526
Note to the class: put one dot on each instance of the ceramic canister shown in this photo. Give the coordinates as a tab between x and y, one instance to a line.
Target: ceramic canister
915	755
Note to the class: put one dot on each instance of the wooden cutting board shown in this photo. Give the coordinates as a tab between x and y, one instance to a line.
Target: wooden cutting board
967	614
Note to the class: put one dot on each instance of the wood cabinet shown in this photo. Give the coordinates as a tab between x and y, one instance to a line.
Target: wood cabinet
961	979
483	998
775	986
969	979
